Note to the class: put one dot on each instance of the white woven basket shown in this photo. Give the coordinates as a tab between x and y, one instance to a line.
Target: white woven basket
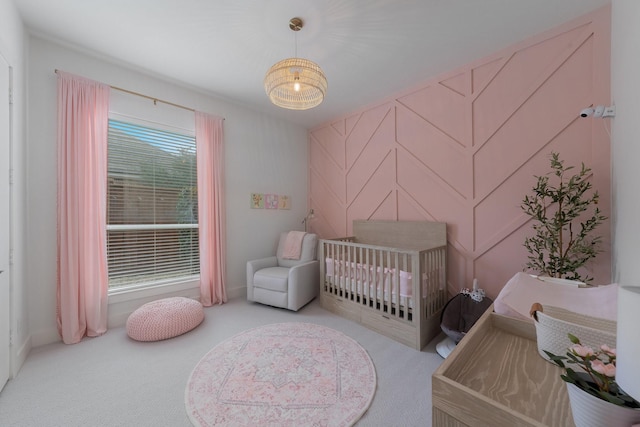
553	324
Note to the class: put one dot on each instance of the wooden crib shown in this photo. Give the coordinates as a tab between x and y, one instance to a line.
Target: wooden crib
390	277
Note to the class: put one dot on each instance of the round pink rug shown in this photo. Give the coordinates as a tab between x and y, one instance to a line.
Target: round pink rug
285	374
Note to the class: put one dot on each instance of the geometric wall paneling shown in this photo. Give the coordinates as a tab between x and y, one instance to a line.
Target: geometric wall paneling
435	149
544	113
331	141
322	193
324	205
498	213
387	209
504	156
410	210
515	83
533	61
327	189
384	209
435	198
350	123
457	83
369	160
340	127
373	189
493	268
440	106
364	130
483	73
465	147
459	269
328	171
424	186
326	227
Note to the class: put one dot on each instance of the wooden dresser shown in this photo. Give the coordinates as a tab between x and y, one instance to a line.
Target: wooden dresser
495	377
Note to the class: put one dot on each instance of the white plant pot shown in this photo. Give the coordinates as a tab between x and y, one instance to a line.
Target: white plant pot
590	411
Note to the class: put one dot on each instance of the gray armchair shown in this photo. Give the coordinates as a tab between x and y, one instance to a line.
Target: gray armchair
285	283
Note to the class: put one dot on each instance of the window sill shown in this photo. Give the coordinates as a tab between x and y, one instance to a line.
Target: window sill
129	293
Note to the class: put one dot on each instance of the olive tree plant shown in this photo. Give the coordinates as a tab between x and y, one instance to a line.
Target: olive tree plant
563	239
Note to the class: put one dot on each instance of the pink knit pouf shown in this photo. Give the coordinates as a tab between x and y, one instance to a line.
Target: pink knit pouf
164	318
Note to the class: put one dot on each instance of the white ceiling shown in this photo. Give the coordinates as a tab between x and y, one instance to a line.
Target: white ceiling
369	49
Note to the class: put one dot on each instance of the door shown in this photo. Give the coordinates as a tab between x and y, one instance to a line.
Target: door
5	230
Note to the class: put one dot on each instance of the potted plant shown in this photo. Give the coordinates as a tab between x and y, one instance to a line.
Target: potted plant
595	397
563	240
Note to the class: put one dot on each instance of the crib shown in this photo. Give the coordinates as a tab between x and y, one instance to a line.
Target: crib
390	276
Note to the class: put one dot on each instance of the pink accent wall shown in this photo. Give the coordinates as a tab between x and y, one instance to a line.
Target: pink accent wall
463	148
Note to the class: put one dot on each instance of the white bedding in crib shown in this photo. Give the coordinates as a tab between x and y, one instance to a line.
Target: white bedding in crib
382	282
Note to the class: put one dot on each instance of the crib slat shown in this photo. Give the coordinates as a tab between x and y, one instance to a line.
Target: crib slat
394	292
367	278
404	287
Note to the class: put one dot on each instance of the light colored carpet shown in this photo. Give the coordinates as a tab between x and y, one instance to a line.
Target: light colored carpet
115	381
284	374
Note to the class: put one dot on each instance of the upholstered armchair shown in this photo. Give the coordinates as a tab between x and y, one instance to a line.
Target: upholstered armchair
283	282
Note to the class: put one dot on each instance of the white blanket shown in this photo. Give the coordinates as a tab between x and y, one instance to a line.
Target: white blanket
522	290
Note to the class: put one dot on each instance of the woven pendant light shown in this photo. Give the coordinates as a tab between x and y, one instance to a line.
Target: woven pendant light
295	83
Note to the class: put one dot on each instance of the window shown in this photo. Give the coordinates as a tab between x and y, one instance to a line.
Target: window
152	206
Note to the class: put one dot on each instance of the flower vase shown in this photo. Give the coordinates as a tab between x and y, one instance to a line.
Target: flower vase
591	411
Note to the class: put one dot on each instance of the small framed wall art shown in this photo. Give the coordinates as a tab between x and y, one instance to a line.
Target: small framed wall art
271	201
257	201
284	202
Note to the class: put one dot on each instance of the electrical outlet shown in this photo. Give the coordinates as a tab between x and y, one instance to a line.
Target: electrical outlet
609	111
598	111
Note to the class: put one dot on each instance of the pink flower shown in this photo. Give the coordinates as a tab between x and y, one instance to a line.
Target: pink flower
606	369
582	350
608	350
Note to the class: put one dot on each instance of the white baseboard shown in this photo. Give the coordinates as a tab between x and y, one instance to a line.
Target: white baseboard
18	358
119	312
237	292
45	337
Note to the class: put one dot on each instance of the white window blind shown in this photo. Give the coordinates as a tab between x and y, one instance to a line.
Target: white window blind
152	205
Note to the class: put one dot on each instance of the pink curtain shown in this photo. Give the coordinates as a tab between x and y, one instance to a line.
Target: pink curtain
211	214
82	283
